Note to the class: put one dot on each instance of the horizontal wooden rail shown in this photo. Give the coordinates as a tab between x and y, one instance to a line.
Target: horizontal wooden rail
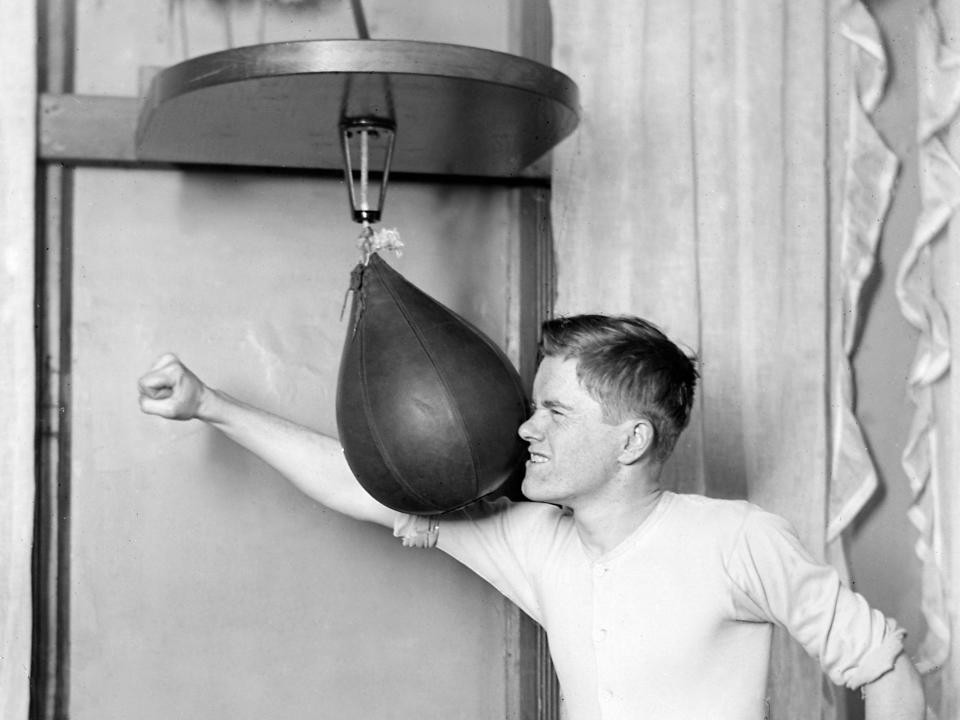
99	129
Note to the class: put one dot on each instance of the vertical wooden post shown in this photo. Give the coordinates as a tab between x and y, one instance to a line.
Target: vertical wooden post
534	680
49	671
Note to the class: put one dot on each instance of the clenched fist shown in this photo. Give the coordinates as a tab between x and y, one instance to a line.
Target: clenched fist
171	390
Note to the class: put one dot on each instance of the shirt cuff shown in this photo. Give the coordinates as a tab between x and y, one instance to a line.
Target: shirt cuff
416	530
880	659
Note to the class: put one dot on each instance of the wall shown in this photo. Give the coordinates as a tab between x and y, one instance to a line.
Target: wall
18	83
201	584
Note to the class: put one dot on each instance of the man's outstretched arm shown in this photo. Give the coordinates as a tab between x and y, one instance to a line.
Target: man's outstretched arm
897	694
311	461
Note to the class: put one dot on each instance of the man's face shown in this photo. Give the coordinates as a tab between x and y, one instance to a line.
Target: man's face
573	452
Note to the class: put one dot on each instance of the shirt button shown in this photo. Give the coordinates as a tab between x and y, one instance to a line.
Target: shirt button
599	570
599	635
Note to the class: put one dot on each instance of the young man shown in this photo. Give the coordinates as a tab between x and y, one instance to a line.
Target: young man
657	605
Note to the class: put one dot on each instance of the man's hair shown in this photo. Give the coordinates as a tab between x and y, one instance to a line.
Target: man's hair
631	368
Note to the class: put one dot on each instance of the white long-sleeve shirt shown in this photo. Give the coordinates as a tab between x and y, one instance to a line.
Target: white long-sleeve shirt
675	622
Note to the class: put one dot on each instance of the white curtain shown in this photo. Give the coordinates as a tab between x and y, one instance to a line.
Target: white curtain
864	195
697	193
17	157
927	288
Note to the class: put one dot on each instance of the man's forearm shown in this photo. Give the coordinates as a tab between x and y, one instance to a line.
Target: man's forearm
897	695
311	461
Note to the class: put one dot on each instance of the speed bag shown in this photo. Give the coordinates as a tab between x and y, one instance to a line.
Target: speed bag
428	406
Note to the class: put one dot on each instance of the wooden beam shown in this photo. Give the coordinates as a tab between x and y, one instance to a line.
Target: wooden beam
82	129
96	129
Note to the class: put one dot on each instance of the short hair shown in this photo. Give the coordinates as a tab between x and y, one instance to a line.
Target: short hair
631	368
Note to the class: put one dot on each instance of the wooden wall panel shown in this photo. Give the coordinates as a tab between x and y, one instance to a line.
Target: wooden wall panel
201	583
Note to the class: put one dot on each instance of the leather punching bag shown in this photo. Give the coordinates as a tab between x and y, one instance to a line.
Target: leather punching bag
427	406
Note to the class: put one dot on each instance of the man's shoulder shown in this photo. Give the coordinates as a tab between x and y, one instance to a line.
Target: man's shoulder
705	507
731	517
510	523
717	514
523	511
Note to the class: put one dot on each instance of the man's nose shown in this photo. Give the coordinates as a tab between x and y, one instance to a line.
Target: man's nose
528	429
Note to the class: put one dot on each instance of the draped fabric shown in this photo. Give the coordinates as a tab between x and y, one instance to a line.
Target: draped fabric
17	103
928	298
869	172
696	193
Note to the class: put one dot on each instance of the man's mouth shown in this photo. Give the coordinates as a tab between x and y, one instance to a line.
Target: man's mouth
537	458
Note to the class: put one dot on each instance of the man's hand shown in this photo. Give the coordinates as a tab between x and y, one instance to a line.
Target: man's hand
311	461
171	390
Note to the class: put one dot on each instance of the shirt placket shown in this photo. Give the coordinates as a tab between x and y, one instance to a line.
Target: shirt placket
602	620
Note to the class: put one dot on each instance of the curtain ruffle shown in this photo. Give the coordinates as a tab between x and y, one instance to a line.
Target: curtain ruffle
939	106
870	172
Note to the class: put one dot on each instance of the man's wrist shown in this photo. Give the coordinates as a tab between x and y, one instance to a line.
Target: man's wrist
210	406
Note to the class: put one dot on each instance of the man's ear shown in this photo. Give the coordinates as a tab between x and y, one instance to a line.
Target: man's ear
639	441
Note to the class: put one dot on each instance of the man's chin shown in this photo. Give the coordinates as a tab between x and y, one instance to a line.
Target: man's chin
533	489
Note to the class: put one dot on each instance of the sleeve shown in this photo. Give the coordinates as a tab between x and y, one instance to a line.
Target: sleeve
496	539
778	580
416	531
